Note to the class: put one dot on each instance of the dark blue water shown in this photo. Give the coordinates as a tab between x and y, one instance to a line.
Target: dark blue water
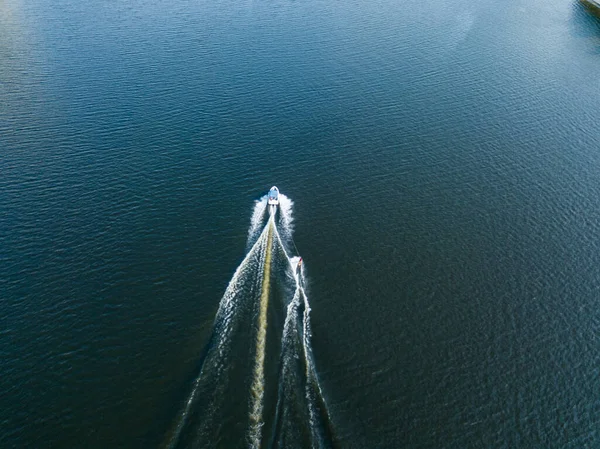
443	159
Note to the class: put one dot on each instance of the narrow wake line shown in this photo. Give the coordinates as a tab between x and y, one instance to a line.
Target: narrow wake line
311	376
287	342
312	389
306	334
258	385
285	253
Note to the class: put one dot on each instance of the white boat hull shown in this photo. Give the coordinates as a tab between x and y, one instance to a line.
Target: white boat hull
273	196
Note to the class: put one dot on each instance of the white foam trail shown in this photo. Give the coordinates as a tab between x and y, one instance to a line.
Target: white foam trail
286	218
312	386
287	380
313	392
310	380
291	336
285	253
227	304
222	329
256	220
298	371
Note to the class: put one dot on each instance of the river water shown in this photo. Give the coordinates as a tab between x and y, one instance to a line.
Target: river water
443	161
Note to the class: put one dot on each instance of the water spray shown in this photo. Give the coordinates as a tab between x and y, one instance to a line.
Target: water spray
248	295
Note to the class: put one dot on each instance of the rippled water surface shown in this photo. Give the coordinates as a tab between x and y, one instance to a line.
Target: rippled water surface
443	159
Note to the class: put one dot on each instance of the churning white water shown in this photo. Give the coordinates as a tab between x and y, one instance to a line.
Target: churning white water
243	311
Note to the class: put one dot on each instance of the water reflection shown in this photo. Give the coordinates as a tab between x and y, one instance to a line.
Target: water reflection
23	68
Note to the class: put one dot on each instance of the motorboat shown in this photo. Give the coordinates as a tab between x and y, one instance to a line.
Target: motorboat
273	196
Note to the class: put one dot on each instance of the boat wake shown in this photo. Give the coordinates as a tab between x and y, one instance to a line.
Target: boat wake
258	386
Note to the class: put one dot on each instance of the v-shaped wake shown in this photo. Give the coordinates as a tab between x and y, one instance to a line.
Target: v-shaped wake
258	386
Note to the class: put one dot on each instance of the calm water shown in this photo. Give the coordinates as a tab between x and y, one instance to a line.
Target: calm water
444	161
